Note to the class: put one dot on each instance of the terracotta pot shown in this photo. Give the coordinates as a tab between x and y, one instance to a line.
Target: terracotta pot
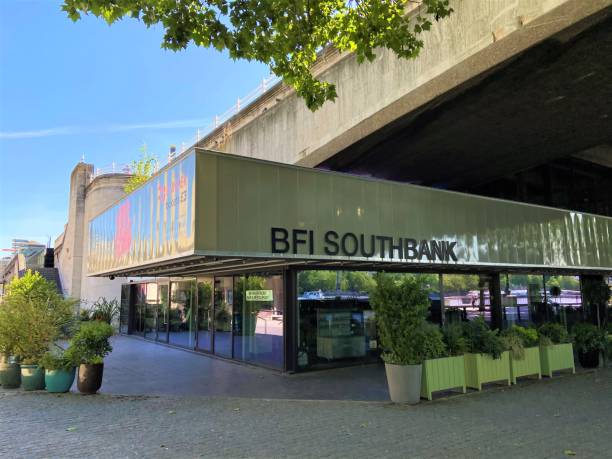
89	380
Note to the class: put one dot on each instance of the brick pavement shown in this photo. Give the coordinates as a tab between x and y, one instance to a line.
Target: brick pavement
533	420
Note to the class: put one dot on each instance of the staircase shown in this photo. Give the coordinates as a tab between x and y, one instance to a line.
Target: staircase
51	274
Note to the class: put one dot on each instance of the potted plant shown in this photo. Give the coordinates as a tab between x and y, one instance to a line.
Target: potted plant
10	373
39	314
59	371
87	349
590	341
407	340
487	359
104	310
522	344
556	350
447	372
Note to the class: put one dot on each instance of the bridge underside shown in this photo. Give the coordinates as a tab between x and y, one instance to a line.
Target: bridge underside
537	128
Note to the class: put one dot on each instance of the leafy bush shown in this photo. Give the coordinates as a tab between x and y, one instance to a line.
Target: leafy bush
514	343
589	337
517	338
84	315
90	343
529	336
34	314
481	339
553	333
454	339
105	310
56	361
401	307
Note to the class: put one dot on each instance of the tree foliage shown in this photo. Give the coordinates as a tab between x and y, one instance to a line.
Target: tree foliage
32	316
286	35
142	170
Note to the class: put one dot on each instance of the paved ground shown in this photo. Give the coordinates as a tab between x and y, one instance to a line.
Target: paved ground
551	418
138	367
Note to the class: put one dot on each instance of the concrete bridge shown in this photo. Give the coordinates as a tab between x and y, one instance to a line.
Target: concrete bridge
506	83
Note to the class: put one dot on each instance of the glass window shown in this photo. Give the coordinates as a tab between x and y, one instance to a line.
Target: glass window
150	327
466	296
162	313
336	322
258	319
124	313
138	309
205	301
223	306
523	299
182	326
564	300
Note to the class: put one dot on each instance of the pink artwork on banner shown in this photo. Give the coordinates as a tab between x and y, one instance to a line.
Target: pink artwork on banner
123	230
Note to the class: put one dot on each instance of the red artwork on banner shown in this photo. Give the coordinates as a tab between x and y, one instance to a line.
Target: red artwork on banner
123	230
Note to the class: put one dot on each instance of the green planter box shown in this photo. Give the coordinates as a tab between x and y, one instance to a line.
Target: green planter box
482	368
557	357
528	366
442	374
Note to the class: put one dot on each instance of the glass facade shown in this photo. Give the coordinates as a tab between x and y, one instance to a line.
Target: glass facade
466	296
223	309
239	317
244	317
258	319
182	320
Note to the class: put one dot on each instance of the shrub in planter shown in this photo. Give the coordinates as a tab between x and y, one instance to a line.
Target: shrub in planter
590	341
447	372
87	349
556	350
487	359
104	310
407	340
10	373
59	372
38	313
522	344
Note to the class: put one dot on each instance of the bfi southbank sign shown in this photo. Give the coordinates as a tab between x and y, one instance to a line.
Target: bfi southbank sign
298	241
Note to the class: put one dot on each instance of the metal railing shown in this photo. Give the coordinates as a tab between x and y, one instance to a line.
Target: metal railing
241	102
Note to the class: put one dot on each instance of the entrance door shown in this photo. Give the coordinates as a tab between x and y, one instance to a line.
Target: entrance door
223	311
162	313
137	309
205	309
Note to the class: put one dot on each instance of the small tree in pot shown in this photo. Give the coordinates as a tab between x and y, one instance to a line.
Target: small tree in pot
87	349
590	341
59	371
407	340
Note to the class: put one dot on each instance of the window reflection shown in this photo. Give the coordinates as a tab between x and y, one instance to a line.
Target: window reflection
466	296
258	319
182	329
205	299
223	307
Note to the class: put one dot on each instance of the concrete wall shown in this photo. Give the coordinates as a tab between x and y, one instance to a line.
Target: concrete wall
475	38
88	196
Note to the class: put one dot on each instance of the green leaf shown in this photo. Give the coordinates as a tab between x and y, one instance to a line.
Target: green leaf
286	35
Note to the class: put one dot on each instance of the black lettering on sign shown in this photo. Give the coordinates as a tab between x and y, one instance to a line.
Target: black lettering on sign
449	251
424	250
437	250
331	243
297	240
410	249
280	237
369	253
346	249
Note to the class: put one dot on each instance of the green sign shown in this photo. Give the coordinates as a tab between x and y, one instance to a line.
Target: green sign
259	295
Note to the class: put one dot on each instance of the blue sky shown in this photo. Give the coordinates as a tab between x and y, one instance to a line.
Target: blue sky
71	89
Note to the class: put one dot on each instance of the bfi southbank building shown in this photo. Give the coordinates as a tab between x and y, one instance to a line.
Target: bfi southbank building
272	265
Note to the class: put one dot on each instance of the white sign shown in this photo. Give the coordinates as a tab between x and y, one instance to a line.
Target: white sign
259	295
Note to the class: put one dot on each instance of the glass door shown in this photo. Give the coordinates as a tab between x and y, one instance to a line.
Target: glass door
138	309
205	301
223	310
162	313
182	323
150	326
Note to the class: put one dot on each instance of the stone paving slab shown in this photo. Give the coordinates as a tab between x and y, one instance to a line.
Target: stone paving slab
538	419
